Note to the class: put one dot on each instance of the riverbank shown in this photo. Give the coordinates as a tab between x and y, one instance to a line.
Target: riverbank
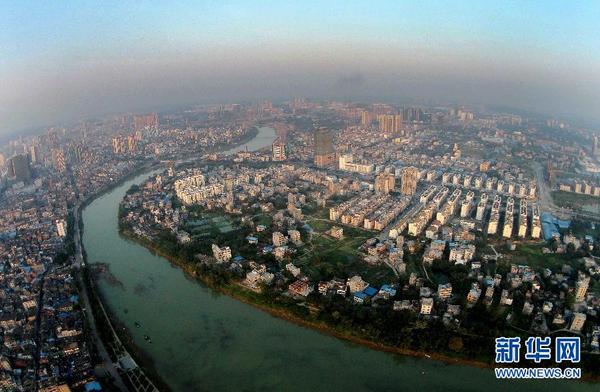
237	292
248	136
113	332
149	166
109	319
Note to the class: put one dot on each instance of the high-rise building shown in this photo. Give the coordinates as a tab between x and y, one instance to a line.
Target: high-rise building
365	119
413	115
61	227
122	144
409	178
397	123
131	143
77	152
58	160
18	167
385	183
278	150
146	120
595	146
34	154
324	152
581	288
456	151
390	122
577	322
464	115
118	145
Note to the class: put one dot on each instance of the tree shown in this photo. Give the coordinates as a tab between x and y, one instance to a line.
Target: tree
455	343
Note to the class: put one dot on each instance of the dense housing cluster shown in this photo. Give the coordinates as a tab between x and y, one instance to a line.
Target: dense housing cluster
440	218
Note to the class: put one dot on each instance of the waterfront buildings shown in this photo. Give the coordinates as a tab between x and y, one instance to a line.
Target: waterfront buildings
278	151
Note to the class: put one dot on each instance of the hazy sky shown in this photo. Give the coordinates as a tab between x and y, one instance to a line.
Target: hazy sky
62	60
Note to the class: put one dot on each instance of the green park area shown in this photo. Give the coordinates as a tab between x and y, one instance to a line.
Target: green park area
532	255
325	257
209	224
562	175
264	219
577	201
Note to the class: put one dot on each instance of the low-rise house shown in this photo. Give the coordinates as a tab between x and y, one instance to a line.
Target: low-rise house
444	291
279	239
337	232
387	291
370	291
528	308
360	297
323	287
295	271
506	298
356	283
403	305
339	286
474	294
221	254
280	252
295	237
426	306
577	322
183	237
300	288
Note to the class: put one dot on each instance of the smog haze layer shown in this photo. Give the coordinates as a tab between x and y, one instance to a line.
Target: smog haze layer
62	62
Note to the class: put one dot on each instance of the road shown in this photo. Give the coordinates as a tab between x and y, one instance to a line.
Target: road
38	320
547	202
544	195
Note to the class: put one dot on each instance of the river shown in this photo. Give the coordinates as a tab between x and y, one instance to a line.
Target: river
203	341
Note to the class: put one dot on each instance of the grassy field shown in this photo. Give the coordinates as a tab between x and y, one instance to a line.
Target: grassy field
209	223
325	257
595	288
576	201
319	226
581	228
311	210
531	254
570	175
472	151
264	219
